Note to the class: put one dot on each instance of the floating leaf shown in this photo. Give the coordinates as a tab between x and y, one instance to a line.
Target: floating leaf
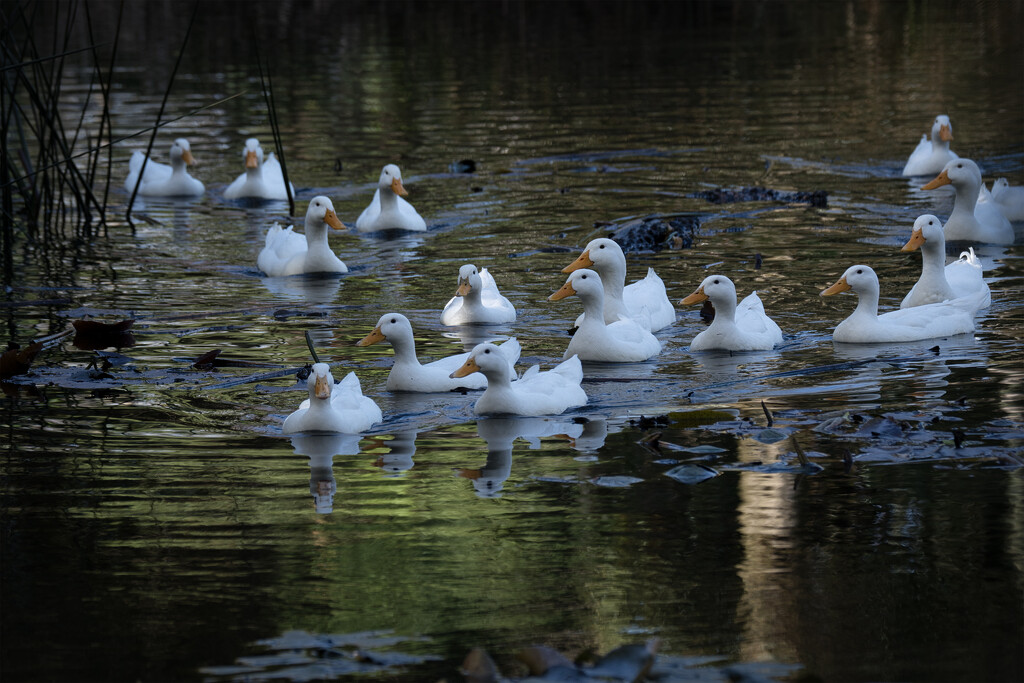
692	474
91	335
616	481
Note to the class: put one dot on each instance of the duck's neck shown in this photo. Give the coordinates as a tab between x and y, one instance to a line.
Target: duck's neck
966	200
254	175
613	279
933	261
316	237
388	199
867	304
938	144
178	166
405	349
318	407
725	312
472	299
593	310
498	392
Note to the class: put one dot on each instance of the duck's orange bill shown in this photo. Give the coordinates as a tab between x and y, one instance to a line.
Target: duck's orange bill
582	261
915	241
372	338
331	219
250	159
945	134
565	291
695	298
940	180
322	388
398	188
186	156
464	287
838	287
468	368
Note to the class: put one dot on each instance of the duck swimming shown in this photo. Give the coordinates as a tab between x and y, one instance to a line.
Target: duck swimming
537	393
932	154
333	407
387	209
477	300
961	281
1010	199
286	252
623	341
408	374
965	222
735	328
262	179
866	326
161	180
646	301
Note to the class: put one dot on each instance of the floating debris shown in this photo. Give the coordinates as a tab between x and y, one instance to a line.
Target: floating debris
692	473
654	233
721	195
16	360
92	335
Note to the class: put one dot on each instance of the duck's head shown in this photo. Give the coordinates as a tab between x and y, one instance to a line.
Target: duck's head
583	283
598	253
469	279
927	229
942	129
180	149
999	185
958	173
714	287
321	212
486	358
859	279
389	326
391	179
320	381
253	153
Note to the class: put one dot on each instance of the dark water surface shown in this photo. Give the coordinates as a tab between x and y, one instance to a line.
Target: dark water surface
157	525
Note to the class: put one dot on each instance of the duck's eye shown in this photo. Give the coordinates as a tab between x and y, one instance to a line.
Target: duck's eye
583	277
602	246
859	271
394	320
487	350
715	281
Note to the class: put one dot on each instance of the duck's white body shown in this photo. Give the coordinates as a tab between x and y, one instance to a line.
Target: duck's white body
961	281
865	326
932	154
333	407
387	209
286	252
161	180
477	300
646	301
989	226
735	328
537	393
1009	198
623	341
408	374
262	179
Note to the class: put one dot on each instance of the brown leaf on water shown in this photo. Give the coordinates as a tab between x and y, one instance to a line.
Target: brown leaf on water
206	360
540	658
91	335
16	361
478	667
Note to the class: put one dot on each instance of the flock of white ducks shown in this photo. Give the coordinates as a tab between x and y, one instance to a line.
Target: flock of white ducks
618	320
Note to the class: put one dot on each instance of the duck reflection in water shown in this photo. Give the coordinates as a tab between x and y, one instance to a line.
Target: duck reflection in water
321	449
399	458
311	288
500	433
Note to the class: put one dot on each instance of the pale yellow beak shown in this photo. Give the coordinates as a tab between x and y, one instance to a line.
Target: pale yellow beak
838	287
915	241
250	159
468	368
695	298
464	287
565	291
940	180
945	134
398	188
583	261
186	156
331	219
372	338
322	388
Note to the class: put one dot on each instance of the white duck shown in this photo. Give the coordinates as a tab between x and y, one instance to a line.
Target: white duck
623	341
288	253
387	209
161	180
645	300
537	393
965	222
262	179
931	155
477	300
865	326
961	281
1009	198
735	328
408	374
333	407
